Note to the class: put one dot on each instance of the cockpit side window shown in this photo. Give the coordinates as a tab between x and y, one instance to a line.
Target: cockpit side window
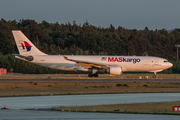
165	61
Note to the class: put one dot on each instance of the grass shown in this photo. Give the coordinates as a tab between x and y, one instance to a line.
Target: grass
141	108
145	85
125	85
73	88
118	85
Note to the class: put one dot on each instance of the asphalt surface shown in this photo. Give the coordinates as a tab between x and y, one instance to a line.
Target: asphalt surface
40	102
54	115
91	80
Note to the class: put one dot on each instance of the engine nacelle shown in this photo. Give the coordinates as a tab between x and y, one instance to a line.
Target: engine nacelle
115	70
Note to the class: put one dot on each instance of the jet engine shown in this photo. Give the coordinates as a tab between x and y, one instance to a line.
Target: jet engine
115	70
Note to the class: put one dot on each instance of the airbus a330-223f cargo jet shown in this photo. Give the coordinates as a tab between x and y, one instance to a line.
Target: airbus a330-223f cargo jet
114	65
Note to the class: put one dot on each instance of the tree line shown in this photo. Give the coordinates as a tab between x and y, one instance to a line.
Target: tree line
85	39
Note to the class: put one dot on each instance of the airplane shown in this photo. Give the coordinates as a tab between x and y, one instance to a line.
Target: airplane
115	65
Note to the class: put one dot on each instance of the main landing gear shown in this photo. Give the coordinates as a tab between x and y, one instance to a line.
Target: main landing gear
91	75
94	73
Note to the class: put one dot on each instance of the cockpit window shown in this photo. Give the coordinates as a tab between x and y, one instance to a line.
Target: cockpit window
165	61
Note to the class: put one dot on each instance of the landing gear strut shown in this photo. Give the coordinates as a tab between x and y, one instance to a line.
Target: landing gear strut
94	73
154	76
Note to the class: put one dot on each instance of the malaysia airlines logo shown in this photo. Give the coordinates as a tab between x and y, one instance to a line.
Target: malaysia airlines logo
26	46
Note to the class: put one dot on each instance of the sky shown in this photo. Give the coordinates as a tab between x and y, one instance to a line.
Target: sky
130	14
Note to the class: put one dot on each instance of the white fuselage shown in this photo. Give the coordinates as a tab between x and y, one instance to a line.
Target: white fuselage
127	63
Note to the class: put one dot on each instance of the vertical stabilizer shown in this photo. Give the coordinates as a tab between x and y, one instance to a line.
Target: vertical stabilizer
24	45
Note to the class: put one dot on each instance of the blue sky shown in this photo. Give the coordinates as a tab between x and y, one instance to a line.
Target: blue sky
130	14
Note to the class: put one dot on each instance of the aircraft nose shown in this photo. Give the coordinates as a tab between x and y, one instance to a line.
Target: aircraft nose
170	64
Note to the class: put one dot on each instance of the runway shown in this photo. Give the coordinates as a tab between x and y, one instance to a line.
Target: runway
38	107
53	115
81	100
90	80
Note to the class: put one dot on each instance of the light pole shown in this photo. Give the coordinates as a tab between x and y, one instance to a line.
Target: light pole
177	50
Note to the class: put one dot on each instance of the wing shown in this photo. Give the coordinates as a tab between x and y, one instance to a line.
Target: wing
87	64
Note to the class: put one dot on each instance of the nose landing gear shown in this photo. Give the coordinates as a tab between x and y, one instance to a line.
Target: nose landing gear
154	76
